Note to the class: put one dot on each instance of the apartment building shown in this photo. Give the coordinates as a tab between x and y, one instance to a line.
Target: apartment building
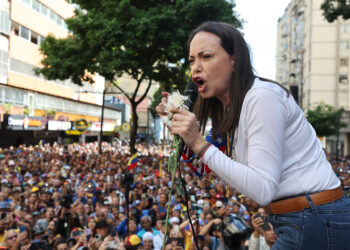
313	60
33	108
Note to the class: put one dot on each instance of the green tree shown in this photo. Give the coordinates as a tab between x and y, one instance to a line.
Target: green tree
325	118
157	96
332	9
134	37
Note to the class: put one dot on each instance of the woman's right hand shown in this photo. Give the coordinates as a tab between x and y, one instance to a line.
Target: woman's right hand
161	106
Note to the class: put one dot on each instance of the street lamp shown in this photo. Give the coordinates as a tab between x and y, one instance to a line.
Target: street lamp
338	128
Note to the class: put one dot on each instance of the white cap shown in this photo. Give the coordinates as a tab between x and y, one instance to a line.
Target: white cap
174	220
147	236
219	204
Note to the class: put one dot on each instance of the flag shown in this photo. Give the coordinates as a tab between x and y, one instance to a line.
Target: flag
203	169
132	161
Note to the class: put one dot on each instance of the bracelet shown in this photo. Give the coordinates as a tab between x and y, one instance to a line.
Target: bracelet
202	151
197	159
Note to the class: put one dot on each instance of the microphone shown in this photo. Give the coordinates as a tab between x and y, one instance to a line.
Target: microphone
191	91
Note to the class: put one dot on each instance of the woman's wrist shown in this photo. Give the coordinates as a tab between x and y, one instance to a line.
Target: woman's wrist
198	146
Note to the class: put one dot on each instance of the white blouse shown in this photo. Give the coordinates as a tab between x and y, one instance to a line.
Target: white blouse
277	153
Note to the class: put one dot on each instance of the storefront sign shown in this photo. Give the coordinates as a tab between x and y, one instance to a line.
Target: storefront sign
59	125
81	125
107	127
73	132
21	122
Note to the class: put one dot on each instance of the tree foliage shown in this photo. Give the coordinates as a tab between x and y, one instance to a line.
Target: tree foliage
332	9
134	37
325	119
157	97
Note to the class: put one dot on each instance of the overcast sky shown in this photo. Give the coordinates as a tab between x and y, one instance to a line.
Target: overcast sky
260	31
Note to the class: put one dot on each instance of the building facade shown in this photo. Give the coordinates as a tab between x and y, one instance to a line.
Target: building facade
56	108
313	61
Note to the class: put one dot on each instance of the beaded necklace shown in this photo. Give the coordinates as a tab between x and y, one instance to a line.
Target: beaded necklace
229	143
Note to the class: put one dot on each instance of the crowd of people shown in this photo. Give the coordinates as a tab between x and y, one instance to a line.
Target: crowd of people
71	197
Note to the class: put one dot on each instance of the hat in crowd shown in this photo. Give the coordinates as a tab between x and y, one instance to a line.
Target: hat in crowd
42	223
241	196
77	231
38	229
133	240
11	163
246	217
136	203
200	202
164	221
36	213
34	189
107	201
29	175
9	185
178	207
45	191
4	181
4	205
17	190
147	236
219	204
101	224
71	241
174	220
218	196
199	193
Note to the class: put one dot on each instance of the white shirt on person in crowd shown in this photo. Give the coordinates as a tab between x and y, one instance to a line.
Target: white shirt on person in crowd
258	243
158	241
277	153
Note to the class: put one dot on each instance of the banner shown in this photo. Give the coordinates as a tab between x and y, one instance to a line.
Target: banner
21	122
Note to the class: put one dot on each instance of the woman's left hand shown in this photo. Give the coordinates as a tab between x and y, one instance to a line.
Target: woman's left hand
184	124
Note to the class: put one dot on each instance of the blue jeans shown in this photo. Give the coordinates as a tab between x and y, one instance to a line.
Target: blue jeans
315	228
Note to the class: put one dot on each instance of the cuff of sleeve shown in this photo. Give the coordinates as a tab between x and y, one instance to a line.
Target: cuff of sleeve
207	154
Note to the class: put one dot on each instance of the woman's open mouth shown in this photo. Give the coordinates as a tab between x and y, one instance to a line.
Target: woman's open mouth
199	81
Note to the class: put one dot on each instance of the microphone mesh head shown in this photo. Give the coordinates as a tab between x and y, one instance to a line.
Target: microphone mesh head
192	92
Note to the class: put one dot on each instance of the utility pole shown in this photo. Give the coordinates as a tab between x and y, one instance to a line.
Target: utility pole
102	114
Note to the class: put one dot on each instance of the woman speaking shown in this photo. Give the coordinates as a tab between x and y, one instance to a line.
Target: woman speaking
272	153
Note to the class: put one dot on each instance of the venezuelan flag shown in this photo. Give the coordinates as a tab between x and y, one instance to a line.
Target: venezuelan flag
132	161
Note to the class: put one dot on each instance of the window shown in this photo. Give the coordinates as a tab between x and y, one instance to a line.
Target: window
26	2
65	25
24	32
15	28
34	38
344	61
41	39
344	46
59	21
4	63
343	79
4	22
345	28
44	10
36	5
53	16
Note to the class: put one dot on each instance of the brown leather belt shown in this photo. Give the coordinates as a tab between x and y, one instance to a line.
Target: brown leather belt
300	203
